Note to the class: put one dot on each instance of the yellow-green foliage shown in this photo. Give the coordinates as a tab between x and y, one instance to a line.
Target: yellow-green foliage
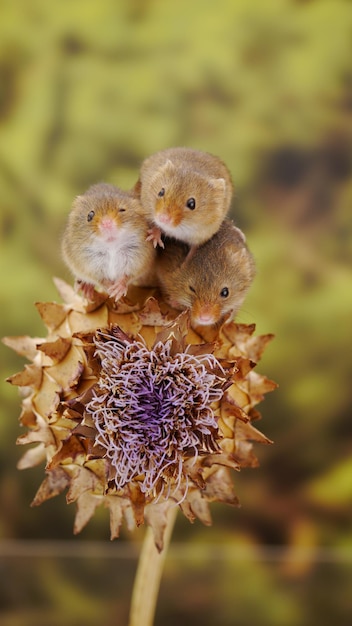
89	88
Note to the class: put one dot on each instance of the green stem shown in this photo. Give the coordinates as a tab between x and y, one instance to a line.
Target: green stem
148	576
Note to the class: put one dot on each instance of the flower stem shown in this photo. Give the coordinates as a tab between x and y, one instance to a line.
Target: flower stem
148	576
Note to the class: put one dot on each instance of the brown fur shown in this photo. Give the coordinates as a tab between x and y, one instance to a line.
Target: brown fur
185	173
196	284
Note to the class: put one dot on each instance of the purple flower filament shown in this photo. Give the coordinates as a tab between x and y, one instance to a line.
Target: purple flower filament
152	411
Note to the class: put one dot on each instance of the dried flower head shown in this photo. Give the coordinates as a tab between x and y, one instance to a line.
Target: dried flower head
131	408
152	409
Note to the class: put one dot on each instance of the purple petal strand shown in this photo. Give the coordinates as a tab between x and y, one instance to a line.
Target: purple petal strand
152	409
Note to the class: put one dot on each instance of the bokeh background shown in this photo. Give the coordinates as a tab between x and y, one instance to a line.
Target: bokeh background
88	89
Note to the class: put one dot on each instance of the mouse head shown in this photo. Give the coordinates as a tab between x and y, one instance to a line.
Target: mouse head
214	282
186	204
101	211
220	290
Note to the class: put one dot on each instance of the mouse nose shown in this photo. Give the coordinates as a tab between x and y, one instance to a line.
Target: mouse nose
205	320
205	315
165	218
107	224
108	229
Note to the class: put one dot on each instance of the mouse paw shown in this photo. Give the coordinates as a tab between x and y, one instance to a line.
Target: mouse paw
118	289
86	289
154	235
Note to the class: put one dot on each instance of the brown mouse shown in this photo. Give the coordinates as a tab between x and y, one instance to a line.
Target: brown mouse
214	282
185	194
104	243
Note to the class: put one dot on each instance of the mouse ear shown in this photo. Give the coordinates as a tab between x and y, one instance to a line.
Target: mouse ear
168	166
78	200
218	184
240	233
244	259
166	169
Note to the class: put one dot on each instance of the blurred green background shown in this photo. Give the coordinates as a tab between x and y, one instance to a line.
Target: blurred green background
88	89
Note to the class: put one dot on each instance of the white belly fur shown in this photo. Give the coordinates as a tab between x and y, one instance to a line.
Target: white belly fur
120	257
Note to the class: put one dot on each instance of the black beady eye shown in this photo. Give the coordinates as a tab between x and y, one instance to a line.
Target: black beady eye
121	210
191	203
192	289
224	292
90	216
161	192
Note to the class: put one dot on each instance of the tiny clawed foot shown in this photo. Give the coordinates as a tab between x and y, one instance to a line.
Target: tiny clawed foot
154	235
86	289
117	290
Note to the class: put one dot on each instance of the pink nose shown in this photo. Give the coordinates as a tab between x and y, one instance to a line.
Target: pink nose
164	218
108	227
107	224
205	318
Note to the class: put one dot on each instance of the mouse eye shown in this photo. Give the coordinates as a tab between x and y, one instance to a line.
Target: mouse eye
224	292
192	289
191	204
122	210
161	192
90	216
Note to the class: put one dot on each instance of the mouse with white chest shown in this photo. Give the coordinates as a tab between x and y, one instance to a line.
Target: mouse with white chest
104	243
213	283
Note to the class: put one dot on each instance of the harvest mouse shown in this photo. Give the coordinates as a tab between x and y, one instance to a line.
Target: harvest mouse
104	243
214	282
185	194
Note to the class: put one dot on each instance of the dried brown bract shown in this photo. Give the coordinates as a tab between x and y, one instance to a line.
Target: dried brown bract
131	408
